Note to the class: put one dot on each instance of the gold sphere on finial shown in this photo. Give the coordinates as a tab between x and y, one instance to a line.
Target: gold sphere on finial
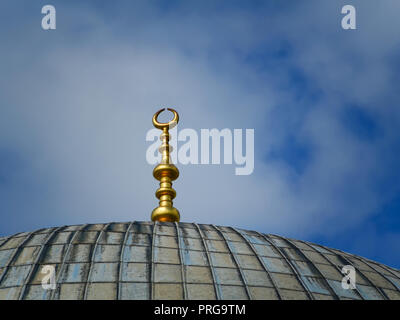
165	172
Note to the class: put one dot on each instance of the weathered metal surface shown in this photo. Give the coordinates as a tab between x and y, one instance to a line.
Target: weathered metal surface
163	260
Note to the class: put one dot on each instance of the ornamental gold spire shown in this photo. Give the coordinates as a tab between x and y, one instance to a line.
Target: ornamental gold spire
165	172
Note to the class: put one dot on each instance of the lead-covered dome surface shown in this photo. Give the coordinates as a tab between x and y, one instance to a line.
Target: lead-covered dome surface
162	260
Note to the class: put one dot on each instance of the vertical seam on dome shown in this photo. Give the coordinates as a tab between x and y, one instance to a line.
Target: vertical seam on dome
261	261
72	238
369	263
35	265
236	262
6	240
217	289
85	293
151	286
121	261
296	274
15	253
380	273
361	273
332	264
387	268
178	234
333	293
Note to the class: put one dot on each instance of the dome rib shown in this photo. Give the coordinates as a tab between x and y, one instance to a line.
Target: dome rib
332	291
151	286
37	260
179	236
16	251
309	294
218	294
361	273
333	265
390	279
261	262
243	278
93	256
121	260
71	240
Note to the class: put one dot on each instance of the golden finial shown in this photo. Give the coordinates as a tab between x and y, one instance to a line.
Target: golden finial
165	172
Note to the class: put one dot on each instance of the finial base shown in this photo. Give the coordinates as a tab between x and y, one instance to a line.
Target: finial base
165	214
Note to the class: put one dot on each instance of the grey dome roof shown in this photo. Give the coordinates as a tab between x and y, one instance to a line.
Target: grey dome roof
143	260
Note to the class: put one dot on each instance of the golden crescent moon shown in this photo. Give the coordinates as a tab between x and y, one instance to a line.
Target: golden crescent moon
168	125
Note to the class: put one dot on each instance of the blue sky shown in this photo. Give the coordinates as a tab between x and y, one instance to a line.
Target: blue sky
76	104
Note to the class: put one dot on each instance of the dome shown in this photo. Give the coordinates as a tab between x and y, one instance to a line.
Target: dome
165	260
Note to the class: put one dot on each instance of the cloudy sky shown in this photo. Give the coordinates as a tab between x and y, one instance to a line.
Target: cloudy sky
76	104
